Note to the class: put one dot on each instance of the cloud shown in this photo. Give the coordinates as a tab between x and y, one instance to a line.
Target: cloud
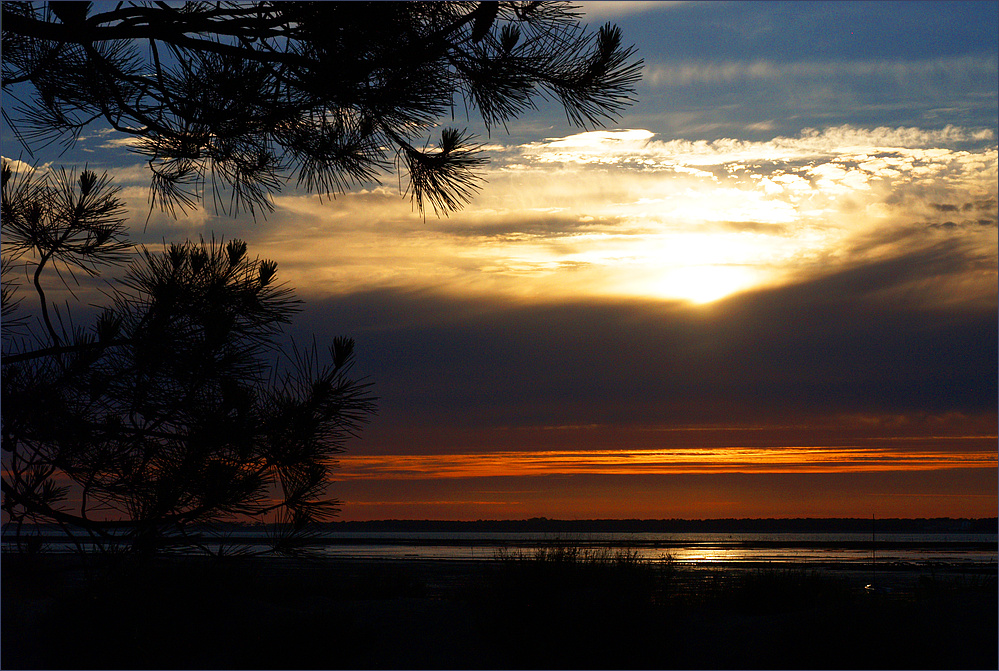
695	460
21	167
622	214
635	148
609	10
135	174
853	370
117	142
869	339
901	73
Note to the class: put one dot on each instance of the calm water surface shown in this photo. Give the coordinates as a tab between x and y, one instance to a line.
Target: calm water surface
683	547
694	548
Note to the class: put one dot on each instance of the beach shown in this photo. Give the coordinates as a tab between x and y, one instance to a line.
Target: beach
521	612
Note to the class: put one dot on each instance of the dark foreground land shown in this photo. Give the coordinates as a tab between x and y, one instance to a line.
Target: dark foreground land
560	608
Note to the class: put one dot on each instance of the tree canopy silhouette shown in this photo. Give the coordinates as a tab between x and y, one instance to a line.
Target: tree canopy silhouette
238	97
166	412
178	405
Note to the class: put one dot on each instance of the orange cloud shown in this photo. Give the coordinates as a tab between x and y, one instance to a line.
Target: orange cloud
837	459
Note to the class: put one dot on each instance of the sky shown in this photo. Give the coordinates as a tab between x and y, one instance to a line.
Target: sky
768	289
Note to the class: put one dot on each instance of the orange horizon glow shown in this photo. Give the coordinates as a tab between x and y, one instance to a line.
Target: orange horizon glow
699	460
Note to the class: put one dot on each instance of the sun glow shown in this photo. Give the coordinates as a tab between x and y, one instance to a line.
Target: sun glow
700	267
707	283
619	214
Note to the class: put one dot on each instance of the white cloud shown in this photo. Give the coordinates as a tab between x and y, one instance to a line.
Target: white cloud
902	72
117	142
137	173
621	213
636	147
602	138
154	225
17	166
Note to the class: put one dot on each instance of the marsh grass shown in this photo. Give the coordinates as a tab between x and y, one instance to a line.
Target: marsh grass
566	604
559	605
571	573
569	605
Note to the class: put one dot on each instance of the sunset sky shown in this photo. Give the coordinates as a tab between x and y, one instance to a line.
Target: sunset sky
768	290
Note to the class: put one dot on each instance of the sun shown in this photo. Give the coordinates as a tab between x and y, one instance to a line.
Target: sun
701	267
701	284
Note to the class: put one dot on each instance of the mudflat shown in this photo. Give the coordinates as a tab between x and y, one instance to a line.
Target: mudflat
526	612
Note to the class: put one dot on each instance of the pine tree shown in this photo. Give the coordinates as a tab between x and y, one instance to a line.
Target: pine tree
178	406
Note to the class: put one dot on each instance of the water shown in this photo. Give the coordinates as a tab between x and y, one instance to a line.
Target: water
684	547
699	548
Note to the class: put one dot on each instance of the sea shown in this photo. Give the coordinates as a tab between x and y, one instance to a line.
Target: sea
899	550
683	547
